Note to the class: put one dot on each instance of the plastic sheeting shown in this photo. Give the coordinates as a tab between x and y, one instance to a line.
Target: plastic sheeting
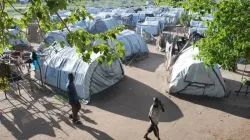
134	43
93	10
127	19
90	78
199	30
138	17
123	10
200	26
162	20
190	76
179	11
104	15
51	37
62	13
152	27
104	25
152	11
17	40
172	18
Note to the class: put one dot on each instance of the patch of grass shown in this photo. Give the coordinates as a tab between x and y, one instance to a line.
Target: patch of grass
61	97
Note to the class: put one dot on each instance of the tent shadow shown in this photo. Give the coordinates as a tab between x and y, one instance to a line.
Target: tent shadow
27	124
234	105
50	107
154	59
133	99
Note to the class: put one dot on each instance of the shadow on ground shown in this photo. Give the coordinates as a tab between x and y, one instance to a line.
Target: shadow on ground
97	134
27	125
131	98
235	105
32	114
154	60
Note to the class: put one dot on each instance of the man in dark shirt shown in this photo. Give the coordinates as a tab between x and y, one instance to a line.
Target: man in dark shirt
73	99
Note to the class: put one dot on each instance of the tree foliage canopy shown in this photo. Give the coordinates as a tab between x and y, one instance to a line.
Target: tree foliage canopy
228	35
41	10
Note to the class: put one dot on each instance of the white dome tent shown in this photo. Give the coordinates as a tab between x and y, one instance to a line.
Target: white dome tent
162	20
190	76
17	40
138	17
51	37
152	27
172	18
134	44
103	25
90	78
199	26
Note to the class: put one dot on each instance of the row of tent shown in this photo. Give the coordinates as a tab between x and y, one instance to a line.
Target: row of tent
189	76
91	78
151	20
134	43
199	26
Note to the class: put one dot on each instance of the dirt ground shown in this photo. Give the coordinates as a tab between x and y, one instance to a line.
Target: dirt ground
120	112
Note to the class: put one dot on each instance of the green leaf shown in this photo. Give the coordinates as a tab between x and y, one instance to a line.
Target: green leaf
62	44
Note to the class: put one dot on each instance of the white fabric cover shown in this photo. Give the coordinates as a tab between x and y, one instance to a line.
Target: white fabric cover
198	25
138	16
62	13
51	37
90	78
103	25
134	43
152	27
190	76
172	18
195	23
129	10
152	11
57	35
199	30
16	40
162	21
104	15
93	10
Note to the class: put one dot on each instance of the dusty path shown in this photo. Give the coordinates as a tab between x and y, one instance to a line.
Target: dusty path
120	112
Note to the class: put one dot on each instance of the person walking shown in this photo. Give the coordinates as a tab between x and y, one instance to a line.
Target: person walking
73	99
161	43
154	115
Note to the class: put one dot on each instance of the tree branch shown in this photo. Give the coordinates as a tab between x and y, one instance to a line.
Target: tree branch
15	8
3	7
63	22
61	19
